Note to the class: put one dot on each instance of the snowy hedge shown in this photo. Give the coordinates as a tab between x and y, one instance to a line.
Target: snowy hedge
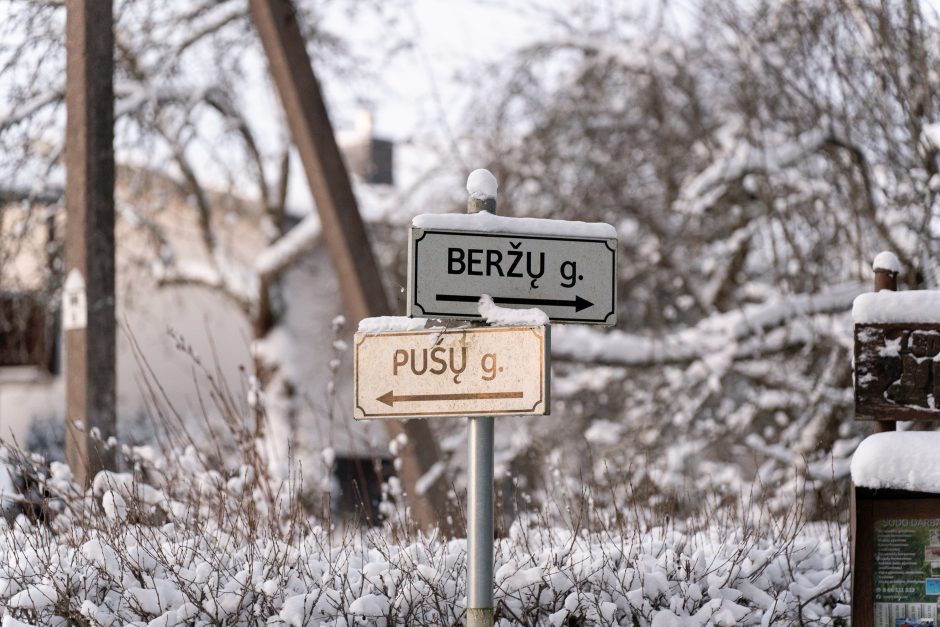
189	546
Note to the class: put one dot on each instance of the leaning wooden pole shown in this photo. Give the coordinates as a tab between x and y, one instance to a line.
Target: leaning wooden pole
88	307
343	230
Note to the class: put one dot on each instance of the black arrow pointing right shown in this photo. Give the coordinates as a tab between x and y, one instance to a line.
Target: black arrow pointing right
578	303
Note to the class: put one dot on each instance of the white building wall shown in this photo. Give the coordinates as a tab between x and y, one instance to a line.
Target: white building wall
163	320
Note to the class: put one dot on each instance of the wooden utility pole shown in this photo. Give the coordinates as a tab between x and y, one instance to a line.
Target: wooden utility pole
343	230
88	304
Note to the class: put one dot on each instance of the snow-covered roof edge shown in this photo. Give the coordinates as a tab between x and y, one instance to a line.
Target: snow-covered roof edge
898	460
914	306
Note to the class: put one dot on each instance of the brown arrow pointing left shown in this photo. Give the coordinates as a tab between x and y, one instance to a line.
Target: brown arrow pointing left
389	398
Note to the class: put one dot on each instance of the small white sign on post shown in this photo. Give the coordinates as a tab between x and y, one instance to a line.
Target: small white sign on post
74	302
452	372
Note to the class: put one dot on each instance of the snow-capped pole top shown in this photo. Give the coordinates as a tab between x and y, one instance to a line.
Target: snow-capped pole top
481	184
886	261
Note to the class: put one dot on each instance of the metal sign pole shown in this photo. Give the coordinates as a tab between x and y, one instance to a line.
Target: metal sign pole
480	521
480	611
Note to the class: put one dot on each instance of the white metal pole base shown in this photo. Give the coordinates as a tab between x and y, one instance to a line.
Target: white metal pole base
480	617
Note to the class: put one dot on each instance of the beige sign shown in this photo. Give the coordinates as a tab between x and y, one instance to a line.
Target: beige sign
485	371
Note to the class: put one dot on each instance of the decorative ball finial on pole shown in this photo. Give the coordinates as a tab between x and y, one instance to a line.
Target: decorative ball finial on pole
481	185
886	267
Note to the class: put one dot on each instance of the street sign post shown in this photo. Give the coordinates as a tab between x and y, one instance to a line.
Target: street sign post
566	269
482	371
570	278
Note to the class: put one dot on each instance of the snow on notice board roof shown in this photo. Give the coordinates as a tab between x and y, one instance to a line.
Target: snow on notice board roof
897	307
488	223
900	460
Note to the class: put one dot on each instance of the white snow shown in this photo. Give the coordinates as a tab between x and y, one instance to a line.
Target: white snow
931	135
290	247
604	432
397	444
504	317
481	184
35	597
298	608
484	222
886	260
901	460
736	158
391	323
426	480
510	578
781	320
905	307
8	490
371	605
114	505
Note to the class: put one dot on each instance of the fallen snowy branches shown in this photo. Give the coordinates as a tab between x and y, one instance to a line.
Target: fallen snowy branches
747	332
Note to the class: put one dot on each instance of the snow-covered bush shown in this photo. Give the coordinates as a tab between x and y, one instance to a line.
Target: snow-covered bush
175	542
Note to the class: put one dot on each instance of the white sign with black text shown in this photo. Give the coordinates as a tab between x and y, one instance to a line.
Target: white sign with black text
571	279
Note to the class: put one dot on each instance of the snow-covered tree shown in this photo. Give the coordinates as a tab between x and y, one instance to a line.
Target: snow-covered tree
754	158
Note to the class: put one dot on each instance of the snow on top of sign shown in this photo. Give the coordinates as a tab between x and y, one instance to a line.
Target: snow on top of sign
488	223
505	317
900	460
887	307
481	184
390	323
886	260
